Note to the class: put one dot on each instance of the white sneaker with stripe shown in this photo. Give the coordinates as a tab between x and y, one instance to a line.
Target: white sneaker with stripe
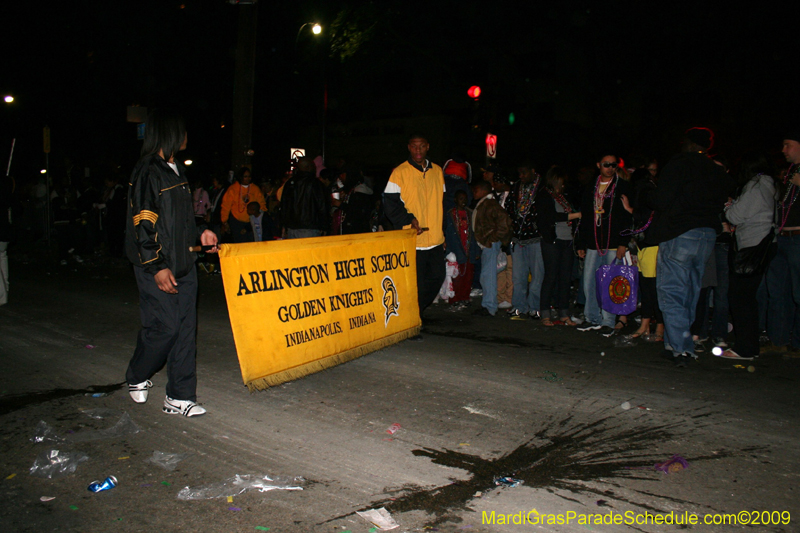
182	407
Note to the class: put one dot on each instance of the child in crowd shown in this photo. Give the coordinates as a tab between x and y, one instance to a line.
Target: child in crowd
260	221
492	227
460	240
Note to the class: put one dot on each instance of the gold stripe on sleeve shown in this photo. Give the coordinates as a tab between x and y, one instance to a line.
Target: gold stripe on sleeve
178	185
145	215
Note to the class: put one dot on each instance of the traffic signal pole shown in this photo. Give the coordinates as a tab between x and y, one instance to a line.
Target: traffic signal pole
244	81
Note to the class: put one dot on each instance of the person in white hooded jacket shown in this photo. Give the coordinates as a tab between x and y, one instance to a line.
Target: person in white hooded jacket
753	215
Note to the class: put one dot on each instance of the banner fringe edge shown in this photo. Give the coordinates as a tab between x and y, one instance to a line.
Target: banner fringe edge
313	367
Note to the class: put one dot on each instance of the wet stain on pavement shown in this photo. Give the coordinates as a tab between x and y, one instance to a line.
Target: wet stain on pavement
494	339
14	402
563	456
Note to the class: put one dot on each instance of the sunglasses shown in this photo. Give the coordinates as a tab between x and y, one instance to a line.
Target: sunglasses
608	165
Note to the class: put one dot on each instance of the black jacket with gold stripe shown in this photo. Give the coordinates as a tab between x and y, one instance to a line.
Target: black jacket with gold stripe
161	225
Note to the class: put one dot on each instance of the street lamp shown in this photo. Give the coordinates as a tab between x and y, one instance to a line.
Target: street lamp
316	29
8	99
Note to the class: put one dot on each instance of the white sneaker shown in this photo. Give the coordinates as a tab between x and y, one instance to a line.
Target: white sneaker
182	407
730	354
475	292
504	305
515	314
139	391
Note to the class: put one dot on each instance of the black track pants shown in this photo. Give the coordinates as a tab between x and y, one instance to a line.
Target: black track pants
168	335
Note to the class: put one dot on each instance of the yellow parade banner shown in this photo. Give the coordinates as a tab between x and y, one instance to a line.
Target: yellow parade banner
299	306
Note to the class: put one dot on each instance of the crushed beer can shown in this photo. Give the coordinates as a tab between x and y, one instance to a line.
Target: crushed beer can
507	481
97	486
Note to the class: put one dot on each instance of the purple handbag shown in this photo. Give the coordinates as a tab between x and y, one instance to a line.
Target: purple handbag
617	288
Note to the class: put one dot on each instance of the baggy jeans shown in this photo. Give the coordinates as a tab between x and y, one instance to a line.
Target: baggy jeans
680	265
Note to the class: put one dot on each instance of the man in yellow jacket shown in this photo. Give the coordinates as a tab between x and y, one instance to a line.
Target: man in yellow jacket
413	199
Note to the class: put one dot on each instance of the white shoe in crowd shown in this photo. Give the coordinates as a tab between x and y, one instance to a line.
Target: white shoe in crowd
504	305
475	292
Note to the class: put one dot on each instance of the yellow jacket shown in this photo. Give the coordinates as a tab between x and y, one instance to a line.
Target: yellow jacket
416	193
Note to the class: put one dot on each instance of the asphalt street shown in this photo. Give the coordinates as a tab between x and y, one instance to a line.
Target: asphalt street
478	398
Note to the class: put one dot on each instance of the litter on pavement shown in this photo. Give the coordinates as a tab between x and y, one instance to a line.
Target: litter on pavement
379	517
240	484
167	461
43	432
508	481
101	413
54	464
624	341
676	463
123	427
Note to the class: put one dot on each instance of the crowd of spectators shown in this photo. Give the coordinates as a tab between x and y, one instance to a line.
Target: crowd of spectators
716	244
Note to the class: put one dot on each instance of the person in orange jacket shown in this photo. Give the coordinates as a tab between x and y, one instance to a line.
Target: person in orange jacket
235	203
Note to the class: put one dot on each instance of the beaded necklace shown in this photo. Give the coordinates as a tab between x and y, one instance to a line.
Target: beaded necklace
559	197
526	197
599	200
631	232
792	191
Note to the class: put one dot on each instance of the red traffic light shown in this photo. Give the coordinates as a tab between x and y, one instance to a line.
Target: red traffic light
491	145
474	92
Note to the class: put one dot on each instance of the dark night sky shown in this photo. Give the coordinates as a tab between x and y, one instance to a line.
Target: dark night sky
577	75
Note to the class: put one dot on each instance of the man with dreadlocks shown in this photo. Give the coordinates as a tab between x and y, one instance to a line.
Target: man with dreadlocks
526	244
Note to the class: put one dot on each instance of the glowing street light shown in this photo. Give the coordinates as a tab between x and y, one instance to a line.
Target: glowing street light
8	99
43	171
316	29
188	162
